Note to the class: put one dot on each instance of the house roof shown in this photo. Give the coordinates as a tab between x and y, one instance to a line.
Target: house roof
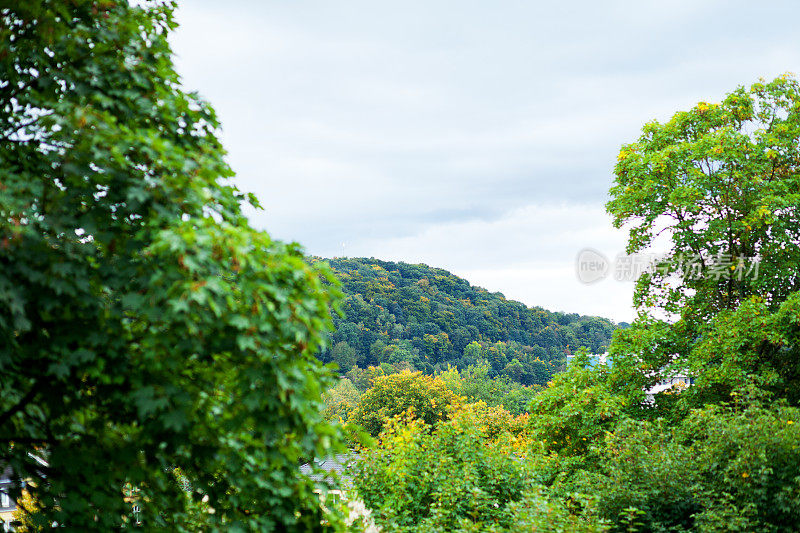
340	465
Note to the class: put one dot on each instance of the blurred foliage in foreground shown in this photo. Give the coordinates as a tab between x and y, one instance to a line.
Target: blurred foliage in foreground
144	324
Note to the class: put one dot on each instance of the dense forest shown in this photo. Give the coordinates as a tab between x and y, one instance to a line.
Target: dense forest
424	318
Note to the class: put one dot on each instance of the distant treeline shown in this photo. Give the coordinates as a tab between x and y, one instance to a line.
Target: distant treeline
423	318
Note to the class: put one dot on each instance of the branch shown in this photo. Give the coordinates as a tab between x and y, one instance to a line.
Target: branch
21	404
16	129
692	245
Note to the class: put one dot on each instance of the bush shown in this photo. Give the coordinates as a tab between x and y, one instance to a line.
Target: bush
424	479
748	462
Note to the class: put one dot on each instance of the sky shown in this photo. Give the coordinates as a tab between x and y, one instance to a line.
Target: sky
478	137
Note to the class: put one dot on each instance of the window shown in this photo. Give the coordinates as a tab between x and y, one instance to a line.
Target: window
5	499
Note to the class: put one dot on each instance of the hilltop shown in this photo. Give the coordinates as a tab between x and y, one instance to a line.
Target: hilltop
426	318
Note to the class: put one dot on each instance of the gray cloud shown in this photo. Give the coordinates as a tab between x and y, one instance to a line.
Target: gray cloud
368	123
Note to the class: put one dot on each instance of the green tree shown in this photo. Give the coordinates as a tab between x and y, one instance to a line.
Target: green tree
340	400
751	346
747	462
721	181
643	466
575	411
436	347
145	325
400	354
343	355
364	378
473	351
724	468
474	384
422	396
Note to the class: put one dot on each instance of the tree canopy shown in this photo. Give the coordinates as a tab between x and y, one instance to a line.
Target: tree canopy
406	393
721	181
145	326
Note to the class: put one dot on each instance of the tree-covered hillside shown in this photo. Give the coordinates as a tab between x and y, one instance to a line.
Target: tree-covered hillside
426	319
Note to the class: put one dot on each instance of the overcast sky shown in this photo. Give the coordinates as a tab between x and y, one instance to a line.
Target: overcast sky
479	137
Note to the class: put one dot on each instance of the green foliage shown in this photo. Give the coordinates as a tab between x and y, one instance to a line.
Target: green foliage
538	511
427	319
721	469
474	385
343	355
749	466
466	474
722	181
341	400
751	346
468	480
364	378
573	413
646	477
145	325
412	393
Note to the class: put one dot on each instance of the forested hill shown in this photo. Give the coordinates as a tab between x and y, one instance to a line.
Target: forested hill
426	318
